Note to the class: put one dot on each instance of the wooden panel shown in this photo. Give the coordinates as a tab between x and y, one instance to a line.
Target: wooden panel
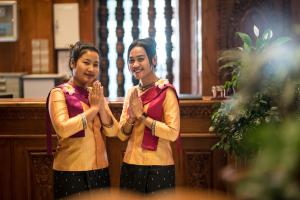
6	169
28	169
32	173
87	21
210	33
185	51
35	21
40	175
43	13
86	18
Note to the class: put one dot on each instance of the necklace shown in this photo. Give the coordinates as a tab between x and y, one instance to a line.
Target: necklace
145	87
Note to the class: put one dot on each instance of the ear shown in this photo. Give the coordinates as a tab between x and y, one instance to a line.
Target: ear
154	60
72	63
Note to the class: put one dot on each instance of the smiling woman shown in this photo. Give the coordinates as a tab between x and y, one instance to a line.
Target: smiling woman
150	120
80	114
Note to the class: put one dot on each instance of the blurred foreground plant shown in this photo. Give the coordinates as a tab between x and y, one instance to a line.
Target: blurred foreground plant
274	171
264	73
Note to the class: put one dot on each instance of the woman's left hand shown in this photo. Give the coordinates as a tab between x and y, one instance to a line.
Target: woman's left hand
135	105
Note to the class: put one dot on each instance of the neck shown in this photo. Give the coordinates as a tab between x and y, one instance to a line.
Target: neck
152	78
74	82
150	82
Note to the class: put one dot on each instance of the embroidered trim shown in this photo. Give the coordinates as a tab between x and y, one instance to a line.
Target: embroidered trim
108	125
153	127
131	124
83	120
124	132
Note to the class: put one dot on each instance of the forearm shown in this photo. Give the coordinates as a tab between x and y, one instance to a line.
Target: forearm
128	126
91	113
105	117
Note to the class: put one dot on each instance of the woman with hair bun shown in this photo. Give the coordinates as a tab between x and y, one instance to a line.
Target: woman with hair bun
80	116
150	120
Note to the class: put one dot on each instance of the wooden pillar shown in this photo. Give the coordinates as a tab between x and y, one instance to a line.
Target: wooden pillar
135	15
103	46
151	17
120	47
169	45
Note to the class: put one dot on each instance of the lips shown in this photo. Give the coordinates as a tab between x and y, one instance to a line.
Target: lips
137	70
90	75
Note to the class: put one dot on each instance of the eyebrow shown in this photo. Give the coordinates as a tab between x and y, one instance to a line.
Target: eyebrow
87	59
138	56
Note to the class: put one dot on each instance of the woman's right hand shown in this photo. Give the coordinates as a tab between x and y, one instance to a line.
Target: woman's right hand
131	117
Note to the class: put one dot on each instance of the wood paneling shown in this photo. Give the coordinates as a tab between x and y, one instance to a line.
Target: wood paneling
220	20
185	50
27	169
6	169
210	33
35	21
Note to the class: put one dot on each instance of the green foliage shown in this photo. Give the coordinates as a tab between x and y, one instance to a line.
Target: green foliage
231	61
253	104
274	172
232	125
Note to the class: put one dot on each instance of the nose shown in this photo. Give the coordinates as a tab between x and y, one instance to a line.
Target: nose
134	65
90	67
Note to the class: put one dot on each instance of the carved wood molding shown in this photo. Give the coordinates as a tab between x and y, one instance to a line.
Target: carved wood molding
196	111
16	113
41	174
198	169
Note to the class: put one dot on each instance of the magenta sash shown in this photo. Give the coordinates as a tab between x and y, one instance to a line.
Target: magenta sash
155	96
74	108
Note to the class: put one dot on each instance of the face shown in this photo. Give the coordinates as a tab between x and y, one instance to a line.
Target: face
139	63
86	69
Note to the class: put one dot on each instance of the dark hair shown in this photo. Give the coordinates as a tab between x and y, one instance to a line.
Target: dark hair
78	49
148	44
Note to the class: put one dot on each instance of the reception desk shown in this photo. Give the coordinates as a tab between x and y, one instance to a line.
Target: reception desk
25	168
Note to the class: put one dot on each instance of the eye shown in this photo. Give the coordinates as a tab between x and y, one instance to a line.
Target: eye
96	65
141	59
131	61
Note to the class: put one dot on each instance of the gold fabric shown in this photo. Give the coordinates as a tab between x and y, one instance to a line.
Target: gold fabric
167	131
78	153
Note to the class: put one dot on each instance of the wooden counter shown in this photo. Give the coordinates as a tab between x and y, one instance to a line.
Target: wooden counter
25	168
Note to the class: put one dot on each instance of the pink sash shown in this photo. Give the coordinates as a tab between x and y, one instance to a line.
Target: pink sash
155	96
74	108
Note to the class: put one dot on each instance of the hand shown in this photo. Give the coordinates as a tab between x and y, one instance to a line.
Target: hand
95	95
131	117
135	105
102	97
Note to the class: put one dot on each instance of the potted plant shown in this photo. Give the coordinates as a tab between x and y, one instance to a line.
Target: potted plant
250	106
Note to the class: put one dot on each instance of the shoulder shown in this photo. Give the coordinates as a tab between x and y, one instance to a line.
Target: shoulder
56	94
56	90
171	93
